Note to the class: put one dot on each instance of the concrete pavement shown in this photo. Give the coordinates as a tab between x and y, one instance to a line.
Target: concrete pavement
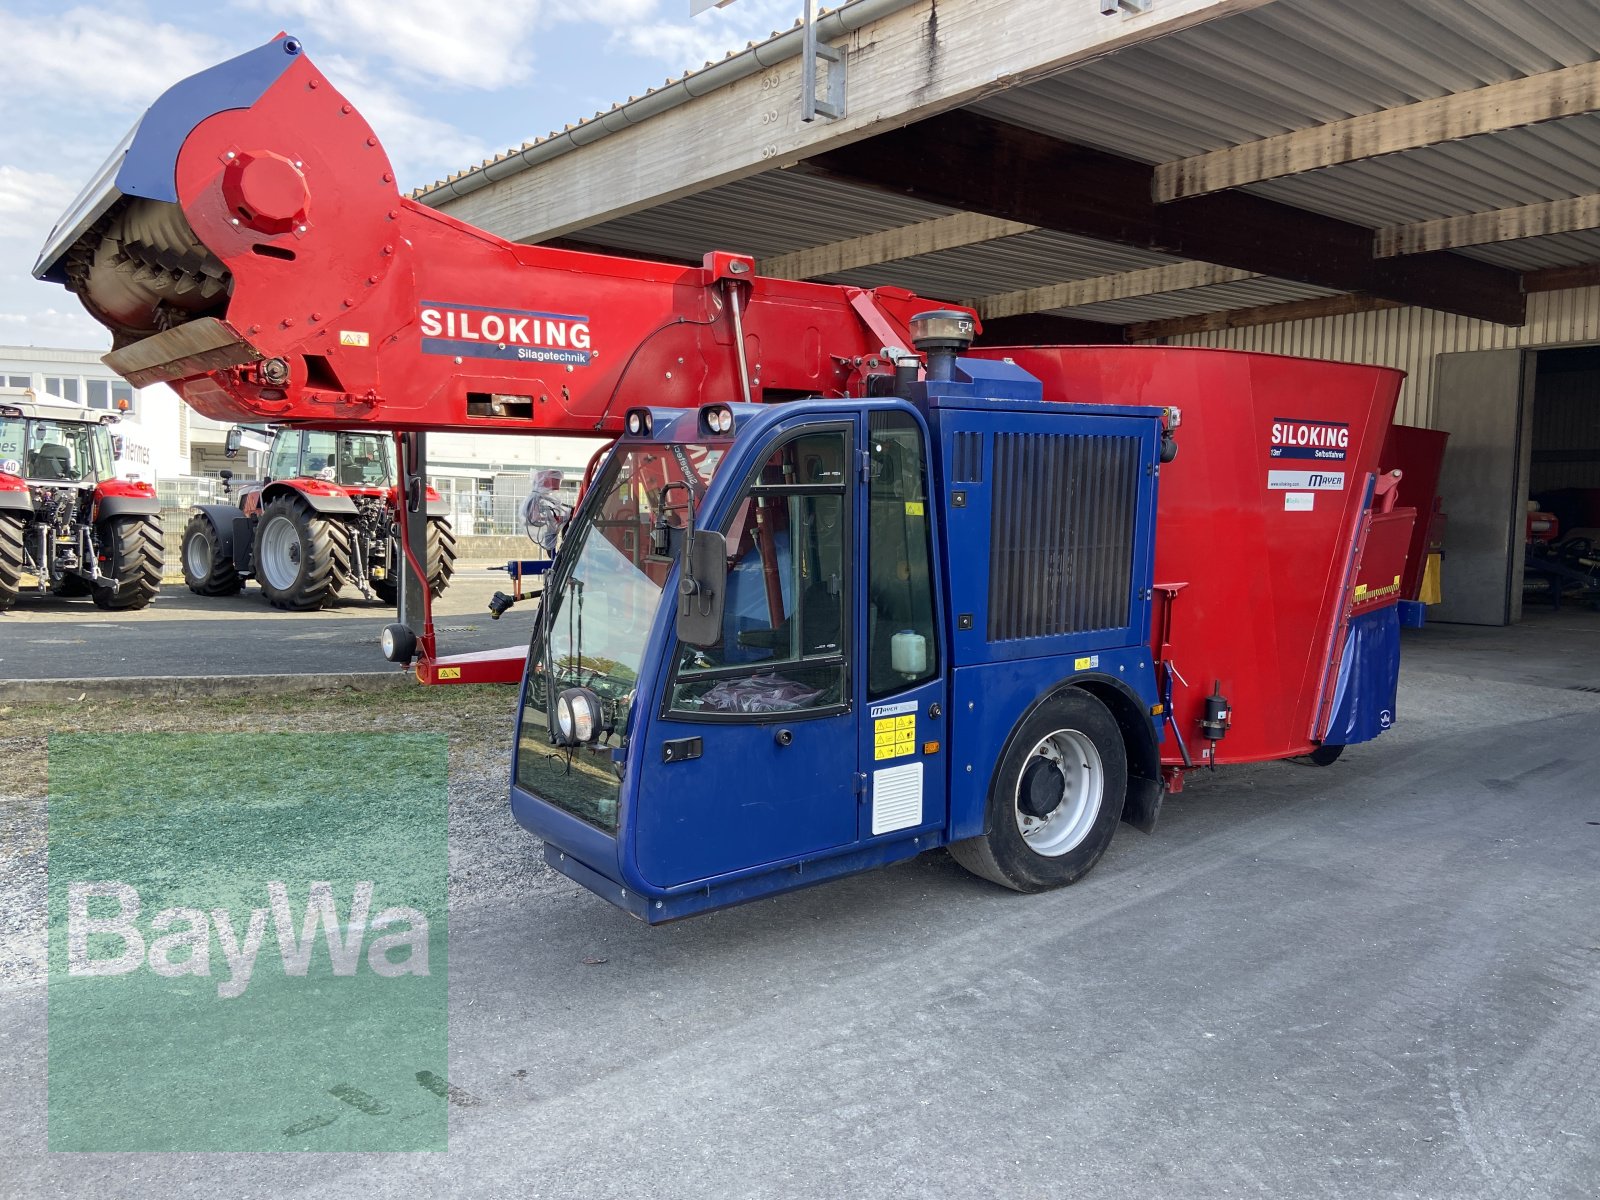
1379	978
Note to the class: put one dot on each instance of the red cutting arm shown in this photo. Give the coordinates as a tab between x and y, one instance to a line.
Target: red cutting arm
350	304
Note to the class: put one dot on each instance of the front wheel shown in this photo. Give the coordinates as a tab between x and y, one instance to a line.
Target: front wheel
206	570
130	553
1055	800
11	542
300	556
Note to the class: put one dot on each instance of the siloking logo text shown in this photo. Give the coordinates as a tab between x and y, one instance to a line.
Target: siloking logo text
474	331
178	941
1292	438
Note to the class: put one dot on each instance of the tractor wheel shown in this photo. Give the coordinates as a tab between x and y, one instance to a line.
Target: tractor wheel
301	557
441	563
206	570
441	556
1326	756
10	560
131	550
1055	800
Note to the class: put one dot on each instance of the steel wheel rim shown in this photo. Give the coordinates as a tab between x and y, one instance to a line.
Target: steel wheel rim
280	553
197	554
1063	830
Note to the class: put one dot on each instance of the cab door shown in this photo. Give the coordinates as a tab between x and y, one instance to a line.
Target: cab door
902	740
751	757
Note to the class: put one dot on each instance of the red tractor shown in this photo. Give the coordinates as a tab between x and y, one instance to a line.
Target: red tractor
323	516
65	518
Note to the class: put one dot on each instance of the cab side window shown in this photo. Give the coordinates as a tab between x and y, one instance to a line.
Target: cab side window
786	620
901	647
320	461
285	463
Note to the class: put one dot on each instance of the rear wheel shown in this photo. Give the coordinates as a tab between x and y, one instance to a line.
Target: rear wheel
441	563
300	556
131	547
206	569
11	529
1326	756
1056	799
441	556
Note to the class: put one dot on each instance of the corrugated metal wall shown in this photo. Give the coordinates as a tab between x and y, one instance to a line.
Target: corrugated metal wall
1412	338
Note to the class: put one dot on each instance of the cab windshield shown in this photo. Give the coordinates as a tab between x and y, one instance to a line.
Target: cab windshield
54	451
600	599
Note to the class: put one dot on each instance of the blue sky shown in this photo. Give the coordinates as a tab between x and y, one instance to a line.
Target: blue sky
444	82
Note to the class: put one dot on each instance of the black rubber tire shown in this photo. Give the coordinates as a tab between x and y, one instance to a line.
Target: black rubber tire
441	556
1001	855
130	550
221	576
323	550
1326	756
11	558
441	563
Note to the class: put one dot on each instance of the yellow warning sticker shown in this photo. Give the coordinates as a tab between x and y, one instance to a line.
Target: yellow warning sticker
353	337
913	508
894	737
449	673
1086	664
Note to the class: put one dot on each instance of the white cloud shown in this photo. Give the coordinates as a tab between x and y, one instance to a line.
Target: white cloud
72	328
94	55
687	43
30	202
465	43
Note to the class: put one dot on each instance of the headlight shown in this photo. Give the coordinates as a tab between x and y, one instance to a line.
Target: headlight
717	418
638	422
577	717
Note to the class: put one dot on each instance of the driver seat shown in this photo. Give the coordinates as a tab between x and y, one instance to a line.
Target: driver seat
51	461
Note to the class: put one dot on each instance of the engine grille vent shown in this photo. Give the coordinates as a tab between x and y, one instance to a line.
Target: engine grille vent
966	463
1061	534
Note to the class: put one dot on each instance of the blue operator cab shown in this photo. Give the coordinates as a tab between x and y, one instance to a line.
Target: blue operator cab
784	643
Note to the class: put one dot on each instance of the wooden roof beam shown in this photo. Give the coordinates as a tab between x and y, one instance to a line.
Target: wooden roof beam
1547	96
1568	215
907	241
1559	279
1127	285
1021	175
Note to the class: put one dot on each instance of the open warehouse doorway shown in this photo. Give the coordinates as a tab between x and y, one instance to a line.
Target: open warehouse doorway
1521	483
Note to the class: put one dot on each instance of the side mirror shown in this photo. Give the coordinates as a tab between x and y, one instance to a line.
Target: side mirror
224	475
702	588
234	440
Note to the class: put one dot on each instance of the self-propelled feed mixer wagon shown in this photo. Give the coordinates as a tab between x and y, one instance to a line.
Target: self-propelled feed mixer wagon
995	599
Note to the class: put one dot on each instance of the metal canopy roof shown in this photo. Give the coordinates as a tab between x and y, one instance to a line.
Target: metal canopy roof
1279	67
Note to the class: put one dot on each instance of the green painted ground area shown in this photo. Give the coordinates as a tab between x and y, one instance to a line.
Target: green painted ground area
200	998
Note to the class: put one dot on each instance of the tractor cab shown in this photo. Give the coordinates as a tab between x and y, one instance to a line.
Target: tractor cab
361	462
51	443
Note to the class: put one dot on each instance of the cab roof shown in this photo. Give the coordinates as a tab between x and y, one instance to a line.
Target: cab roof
25	402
